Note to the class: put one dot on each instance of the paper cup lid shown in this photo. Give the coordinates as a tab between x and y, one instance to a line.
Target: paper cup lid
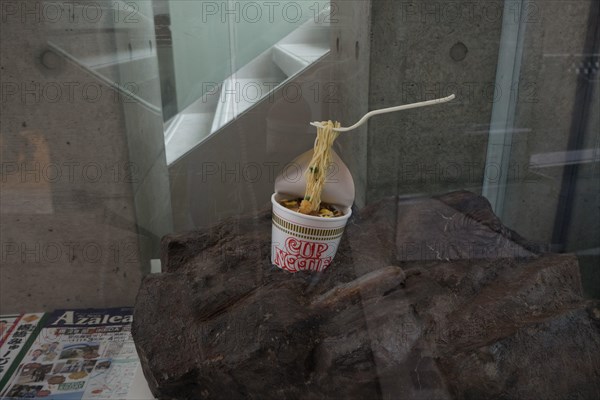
339	185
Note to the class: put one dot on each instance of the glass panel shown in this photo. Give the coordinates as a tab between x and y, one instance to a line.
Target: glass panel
223	57
523	130
85	191
133	130
201	49
553	170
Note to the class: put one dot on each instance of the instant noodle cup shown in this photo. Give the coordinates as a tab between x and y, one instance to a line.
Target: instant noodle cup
302	242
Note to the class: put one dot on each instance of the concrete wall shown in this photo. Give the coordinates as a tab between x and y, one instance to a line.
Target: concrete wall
422	50
82	166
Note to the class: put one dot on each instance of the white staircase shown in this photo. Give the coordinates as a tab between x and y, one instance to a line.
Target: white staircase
246	87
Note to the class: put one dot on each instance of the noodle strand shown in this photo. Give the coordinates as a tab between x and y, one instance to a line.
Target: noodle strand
318	166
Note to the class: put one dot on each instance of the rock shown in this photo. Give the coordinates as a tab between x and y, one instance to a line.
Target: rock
426	299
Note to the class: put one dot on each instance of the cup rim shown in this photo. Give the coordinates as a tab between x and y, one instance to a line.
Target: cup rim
347	212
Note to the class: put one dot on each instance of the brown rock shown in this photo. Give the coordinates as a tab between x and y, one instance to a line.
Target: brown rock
426	299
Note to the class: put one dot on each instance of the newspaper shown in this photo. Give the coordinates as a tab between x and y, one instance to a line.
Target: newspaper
16	332
79	354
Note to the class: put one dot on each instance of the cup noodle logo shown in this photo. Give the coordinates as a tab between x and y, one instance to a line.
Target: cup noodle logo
303	255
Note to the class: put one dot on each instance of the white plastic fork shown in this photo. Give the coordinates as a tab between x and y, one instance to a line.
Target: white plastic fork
388	110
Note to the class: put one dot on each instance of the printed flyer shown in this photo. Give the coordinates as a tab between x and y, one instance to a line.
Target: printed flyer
7	323
78	354
18	334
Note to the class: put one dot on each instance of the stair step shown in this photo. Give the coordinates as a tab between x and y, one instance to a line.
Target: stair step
245	88
184	132
294	57
239	95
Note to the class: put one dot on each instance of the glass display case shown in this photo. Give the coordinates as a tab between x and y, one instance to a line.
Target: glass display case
141	142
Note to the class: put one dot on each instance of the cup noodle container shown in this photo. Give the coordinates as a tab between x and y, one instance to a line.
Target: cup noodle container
304	242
